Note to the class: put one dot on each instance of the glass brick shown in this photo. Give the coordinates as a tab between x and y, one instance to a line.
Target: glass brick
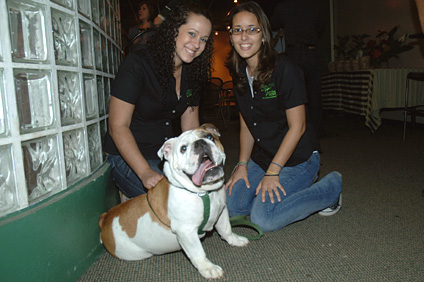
102	14
94	146
97	50
28	31
1	52
109	56
65	38
113	25
95	11
86	45
108	17
84	8
70	97
41	166
100	95
103	129
8	194
104	54
65	3
107	94
75	155
4	131
34	99
90	96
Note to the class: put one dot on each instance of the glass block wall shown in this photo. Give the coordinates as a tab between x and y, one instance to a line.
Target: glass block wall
57	62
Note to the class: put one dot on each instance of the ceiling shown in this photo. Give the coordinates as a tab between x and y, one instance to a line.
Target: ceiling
218	8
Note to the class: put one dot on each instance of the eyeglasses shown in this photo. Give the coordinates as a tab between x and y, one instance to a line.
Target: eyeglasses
250	31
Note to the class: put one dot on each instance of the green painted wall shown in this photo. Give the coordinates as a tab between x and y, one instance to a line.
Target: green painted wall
57	239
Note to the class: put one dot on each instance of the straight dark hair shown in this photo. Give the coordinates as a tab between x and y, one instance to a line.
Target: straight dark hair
267	55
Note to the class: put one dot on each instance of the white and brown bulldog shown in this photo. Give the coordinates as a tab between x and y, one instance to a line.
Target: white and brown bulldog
176	213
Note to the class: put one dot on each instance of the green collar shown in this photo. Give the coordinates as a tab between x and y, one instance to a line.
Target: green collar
206	211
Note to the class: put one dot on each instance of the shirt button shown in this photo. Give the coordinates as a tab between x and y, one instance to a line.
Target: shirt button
173	111
166	138
254	124
251	107
259	140
167	123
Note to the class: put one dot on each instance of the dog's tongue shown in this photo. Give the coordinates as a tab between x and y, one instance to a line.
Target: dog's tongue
197	177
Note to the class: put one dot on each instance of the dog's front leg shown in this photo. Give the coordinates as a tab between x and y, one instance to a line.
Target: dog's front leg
223	227
190	243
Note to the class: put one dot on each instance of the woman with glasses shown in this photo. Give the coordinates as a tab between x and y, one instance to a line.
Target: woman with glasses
275	180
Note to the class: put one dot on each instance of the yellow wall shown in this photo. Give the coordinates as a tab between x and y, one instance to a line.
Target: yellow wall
222	47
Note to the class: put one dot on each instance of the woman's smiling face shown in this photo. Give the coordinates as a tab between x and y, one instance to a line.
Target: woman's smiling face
247	46
192	38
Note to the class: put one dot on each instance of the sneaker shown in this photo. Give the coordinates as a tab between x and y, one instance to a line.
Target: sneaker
332	209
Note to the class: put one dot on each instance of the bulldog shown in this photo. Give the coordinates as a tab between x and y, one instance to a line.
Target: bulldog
176	213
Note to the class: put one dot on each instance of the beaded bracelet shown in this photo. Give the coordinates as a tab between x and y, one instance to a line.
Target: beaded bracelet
239	164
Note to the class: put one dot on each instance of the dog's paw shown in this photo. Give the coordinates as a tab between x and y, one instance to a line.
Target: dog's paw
236	240
211	271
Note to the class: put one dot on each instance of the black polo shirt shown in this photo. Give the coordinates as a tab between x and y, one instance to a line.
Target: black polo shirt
152	122
265	114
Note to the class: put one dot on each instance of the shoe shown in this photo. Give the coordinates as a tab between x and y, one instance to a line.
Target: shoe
332	209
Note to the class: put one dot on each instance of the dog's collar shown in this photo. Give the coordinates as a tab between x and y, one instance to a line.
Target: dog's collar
206	211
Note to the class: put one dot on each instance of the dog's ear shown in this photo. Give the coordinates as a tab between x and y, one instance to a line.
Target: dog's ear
211	128
166	148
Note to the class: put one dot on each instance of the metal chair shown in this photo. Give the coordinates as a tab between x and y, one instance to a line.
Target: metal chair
415	110
227	97
210	105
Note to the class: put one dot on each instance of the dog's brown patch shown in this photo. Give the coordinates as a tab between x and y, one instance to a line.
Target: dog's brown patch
130	211
209	128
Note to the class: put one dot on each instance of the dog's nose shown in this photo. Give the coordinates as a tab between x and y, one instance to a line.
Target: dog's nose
199	144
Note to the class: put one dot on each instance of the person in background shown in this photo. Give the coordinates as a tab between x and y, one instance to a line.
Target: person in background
155	96
303	25
275	180
147	12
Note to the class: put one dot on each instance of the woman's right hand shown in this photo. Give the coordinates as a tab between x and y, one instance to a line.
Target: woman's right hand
150	178
239	173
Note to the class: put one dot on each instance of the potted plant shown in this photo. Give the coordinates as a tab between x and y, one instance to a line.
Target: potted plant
386	46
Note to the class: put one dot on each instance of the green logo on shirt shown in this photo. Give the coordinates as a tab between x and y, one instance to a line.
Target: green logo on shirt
189	93
269	91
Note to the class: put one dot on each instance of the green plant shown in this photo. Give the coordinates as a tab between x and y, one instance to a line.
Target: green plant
341	47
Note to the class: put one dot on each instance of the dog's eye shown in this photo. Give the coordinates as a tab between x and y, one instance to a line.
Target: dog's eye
183	149
210	137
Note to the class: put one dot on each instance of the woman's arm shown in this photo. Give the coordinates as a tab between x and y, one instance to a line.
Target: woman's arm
190	119
120	114
246	147
296	119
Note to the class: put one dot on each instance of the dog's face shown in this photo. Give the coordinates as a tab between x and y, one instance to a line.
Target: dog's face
195	159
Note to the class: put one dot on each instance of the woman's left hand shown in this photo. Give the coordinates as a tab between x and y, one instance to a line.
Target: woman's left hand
270	184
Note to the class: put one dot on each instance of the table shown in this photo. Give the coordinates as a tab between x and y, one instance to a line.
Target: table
366	92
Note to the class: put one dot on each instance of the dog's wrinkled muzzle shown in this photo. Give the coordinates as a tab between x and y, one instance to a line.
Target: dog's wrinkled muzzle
208	170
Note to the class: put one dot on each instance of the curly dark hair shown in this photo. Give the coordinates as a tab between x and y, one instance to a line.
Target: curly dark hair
267	55
162	46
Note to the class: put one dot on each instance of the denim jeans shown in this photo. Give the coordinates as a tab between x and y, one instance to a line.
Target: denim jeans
304	197
126	179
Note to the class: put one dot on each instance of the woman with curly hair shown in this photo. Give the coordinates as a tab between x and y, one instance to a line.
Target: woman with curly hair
274	181
155	96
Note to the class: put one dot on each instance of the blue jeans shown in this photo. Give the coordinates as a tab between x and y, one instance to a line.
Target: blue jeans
304	197
125	178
